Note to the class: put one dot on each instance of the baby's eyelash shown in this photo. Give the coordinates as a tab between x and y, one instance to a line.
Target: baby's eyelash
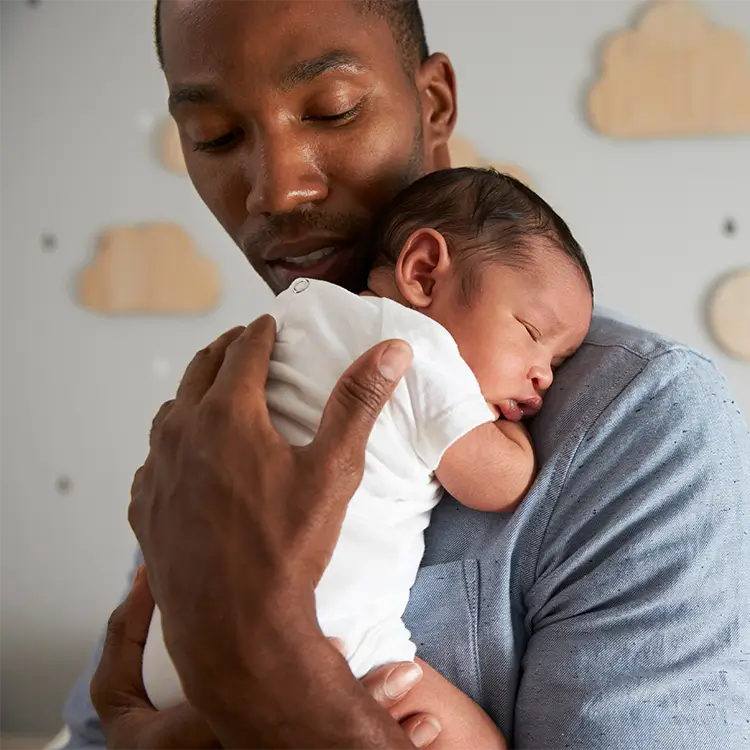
533	331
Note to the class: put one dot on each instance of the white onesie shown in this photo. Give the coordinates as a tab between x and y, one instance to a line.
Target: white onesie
364	591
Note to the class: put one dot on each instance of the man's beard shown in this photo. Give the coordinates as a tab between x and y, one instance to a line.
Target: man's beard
415	166
413	170
301	220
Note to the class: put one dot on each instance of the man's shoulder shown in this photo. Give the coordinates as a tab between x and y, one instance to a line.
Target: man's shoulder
620	371
616	352
636	366
611	332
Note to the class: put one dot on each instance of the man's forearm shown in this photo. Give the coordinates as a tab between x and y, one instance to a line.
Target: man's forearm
293	692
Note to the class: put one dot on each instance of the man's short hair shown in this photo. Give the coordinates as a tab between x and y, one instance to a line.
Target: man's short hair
403	16
485	217
405	19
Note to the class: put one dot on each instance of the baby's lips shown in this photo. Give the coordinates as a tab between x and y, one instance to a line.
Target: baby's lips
511	410
531	407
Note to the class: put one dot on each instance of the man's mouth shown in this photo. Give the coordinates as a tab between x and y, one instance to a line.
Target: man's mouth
309	259
321	259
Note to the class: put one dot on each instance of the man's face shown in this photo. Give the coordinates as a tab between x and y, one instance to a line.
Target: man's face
298	123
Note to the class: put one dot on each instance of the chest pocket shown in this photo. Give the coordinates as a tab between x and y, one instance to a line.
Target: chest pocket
442	616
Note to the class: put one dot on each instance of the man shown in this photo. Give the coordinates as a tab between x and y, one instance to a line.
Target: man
609	610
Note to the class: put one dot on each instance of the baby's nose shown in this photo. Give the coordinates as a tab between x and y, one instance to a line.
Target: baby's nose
541	378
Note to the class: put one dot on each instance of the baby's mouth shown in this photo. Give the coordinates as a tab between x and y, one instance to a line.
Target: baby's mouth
515	411
510	410
531	406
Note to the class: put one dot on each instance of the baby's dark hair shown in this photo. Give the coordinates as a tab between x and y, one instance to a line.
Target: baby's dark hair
484	215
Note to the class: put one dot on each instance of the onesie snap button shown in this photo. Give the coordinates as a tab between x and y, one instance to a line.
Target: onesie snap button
300	285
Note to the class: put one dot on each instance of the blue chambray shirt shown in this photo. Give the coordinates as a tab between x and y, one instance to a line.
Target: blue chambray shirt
612	608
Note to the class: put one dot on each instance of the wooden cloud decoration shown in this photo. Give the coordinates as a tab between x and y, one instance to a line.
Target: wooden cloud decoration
463	154
149	269
729	314
675	74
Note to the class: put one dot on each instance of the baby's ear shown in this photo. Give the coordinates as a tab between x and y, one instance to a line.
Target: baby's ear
423	261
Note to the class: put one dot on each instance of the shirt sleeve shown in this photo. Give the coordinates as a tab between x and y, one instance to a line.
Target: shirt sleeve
638	618
79	714
439	390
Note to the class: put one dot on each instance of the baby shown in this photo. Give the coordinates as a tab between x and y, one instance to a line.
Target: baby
492	292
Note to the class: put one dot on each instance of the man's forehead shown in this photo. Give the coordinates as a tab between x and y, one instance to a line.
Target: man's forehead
199	11
187	10
193	7
277	33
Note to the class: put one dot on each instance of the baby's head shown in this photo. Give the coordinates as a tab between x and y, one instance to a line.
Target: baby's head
487	258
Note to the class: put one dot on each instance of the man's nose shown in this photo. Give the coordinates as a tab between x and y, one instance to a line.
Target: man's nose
284	175
541	377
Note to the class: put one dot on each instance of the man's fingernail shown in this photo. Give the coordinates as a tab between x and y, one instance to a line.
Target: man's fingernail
395	360
425	732
402	678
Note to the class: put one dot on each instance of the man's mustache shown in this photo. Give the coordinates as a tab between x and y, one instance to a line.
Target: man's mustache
295	225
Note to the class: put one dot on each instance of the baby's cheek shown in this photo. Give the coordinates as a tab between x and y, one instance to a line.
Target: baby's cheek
503	373
491	373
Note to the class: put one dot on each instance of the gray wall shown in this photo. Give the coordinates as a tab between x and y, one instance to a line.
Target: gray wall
79	87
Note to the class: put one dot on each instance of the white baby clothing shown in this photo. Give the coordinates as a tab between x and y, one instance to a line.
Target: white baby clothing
321	330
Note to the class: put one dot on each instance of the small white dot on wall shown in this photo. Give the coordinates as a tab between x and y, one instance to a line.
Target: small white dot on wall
144	121
161	367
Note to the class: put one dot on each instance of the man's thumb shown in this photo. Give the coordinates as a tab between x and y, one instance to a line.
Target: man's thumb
119	670
359	397
131	620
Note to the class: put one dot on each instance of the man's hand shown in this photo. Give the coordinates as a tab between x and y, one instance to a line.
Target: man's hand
128	719
237	526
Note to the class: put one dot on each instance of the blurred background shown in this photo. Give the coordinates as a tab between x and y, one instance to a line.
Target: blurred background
82	105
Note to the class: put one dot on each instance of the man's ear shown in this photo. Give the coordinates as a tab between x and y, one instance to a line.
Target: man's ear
424	261
436	82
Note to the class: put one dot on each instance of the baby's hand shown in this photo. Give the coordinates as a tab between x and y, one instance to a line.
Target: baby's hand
390	684
515	431
436	714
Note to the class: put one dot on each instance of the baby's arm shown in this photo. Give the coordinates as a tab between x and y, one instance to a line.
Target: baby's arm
489	468
463	724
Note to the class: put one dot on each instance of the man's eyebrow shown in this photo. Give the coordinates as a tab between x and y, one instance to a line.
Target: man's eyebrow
301	72
193	94
305	71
